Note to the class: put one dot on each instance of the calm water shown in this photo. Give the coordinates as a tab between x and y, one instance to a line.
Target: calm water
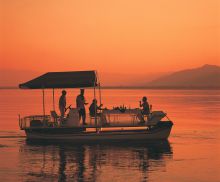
191	154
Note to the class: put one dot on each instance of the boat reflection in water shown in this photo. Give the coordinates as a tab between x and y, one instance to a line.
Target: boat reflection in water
97	162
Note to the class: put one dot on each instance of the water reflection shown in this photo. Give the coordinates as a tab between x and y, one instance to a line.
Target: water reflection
97	162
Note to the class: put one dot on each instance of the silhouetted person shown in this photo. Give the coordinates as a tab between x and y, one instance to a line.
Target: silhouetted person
62	103
145	109
80	104
145	106
93	109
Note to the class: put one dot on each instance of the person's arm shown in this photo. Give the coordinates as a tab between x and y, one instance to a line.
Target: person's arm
84	101
90	108
100	107
140	104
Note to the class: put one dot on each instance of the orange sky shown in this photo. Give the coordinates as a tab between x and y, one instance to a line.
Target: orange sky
109	36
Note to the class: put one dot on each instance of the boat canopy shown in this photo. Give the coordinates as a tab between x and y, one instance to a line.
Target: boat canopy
72	79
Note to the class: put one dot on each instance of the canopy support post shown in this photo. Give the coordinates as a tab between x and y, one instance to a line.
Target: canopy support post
53	101
99	87
100	98
43	105
95	110
100	95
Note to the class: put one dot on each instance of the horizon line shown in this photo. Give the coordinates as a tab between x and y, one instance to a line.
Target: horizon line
138	87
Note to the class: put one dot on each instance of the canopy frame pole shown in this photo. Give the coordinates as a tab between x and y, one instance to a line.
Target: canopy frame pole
53	101
100	102
95	107
99	86
100	94
43	105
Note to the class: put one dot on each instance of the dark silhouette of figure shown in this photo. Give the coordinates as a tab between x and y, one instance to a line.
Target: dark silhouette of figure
93	112
93	109
145	110
62	103
145	106
80	104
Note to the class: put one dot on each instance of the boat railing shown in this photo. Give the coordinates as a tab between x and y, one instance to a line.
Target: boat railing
111	118
122	118
134	117
34	121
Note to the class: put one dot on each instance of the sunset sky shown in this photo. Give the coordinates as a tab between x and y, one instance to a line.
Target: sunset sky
114	36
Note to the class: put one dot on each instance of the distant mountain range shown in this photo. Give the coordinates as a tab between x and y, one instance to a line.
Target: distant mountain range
207	76
11	78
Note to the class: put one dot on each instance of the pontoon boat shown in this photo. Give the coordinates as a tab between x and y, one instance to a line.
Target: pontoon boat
113	129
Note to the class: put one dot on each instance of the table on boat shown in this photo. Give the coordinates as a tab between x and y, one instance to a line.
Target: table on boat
116	114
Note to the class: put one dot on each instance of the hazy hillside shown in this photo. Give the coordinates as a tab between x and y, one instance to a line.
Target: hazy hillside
207	76
11	78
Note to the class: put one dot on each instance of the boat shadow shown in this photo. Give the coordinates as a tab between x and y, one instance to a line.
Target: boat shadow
89	162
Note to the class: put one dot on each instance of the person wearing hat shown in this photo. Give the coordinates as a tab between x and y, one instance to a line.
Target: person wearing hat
80	105
62	103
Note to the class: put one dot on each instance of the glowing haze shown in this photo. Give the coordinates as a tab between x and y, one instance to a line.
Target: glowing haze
117	36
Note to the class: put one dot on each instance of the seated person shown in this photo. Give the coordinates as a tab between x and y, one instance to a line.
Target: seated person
93	111
145	106
145	109
93	108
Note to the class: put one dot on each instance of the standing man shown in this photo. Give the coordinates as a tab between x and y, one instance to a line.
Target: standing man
80	104
62	104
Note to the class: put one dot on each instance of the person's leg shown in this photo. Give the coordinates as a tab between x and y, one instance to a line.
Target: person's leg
80	115
62	111
148	117
140	117
84	116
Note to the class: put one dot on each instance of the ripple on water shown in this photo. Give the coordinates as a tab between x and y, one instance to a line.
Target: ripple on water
1	146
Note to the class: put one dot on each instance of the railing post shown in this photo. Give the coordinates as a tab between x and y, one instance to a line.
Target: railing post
19	118
53	101
43	106
95	110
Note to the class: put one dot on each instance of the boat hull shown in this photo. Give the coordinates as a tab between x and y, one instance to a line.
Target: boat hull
160	132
